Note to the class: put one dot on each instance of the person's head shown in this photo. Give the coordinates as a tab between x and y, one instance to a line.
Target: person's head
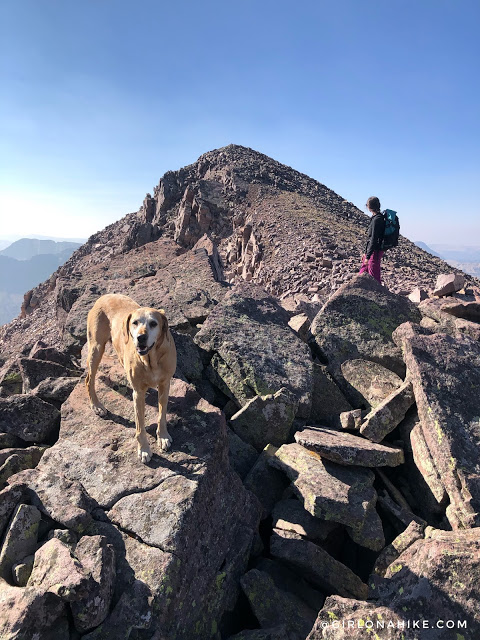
373	204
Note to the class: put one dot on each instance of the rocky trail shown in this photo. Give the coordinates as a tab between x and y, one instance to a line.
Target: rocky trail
326	430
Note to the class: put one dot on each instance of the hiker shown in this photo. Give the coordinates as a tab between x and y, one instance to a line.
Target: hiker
376	230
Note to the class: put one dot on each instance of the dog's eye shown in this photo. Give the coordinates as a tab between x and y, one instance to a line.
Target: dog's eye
135	322
152	324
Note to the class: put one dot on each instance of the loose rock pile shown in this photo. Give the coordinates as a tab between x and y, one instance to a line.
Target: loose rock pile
324	468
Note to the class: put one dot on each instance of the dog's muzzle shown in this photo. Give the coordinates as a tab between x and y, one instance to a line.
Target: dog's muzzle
142	347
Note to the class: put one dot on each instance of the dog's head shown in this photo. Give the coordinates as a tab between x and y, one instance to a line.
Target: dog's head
146	327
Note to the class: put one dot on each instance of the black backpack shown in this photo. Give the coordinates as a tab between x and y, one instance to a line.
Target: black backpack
392	230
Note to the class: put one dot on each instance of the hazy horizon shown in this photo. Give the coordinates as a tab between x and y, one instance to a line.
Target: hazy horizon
367	98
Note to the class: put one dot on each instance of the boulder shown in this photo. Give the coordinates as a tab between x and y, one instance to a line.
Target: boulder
249	332
435	579
20	540
22	570
333	492
30	613
317	566
290	515
9	499
35	371
265	482
327	399
57	571
438	318
347	449
448	283
242	455
388	414
462	309
369	382
180	513
15	460
357	321
28	418
300	324
390	553
417	295
273	606
351	420
288	580
55	390
11	382
98	558
266	419
9	441
278	632
56	496
445	373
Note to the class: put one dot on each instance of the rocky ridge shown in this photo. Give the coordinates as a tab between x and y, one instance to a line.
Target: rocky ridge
290	499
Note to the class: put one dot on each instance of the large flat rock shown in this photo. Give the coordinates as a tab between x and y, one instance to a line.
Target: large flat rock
179	514
345	448
256	351
445	373
333	492
358	321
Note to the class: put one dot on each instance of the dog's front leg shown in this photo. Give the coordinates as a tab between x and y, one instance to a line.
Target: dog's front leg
143	448
164	439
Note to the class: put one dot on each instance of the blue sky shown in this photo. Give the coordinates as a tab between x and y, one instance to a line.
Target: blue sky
99	98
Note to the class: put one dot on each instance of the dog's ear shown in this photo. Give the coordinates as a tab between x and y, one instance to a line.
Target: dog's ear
164	327
126	328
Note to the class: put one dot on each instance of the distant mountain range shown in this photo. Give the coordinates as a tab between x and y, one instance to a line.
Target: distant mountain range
23	265
466	258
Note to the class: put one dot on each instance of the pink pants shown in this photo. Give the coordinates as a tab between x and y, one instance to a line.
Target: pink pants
372	266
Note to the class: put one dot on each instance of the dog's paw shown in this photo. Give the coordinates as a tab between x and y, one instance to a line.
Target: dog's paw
100	410
165	443
144	454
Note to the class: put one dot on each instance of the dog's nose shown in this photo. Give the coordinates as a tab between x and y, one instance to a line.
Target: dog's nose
142	338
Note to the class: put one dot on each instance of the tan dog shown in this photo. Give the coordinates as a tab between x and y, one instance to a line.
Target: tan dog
145	348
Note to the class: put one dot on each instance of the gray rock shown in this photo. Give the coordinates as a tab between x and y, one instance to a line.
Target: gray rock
35	371
415	583
351	419
57	571
55	390
275	633
461	309
300	324
9	441
9	499
29	613
347	449
327	399
333	492
21	571
11	382
266	419
445	373
272	605
132	611
189	359
249	331
369	382
28	417
266	483
242	455
20	540
69	538
290	515
98	558
448	283
357	321
317	566
390	553
288	580
417	295
388	414
56	496
15	460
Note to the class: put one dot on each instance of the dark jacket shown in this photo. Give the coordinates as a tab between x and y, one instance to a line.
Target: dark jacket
376	231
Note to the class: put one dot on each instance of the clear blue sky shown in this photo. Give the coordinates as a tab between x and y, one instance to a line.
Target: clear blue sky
98	98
